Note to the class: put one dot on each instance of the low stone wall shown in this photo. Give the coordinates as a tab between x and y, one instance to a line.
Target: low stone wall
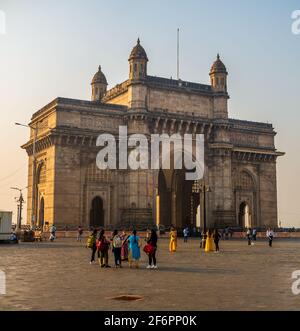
236	235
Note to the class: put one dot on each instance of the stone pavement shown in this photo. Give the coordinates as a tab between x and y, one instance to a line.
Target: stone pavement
58	276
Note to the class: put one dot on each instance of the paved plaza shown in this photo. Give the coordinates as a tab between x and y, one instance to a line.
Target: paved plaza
58	276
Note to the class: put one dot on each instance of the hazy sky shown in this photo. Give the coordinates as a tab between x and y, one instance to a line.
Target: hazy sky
53	48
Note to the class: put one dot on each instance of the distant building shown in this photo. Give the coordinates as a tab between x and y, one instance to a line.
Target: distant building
240	156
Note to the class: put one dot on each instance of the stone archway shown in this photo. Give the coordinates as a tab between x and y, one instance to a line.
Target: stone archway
178	204
245	221
164	193
246	200
97	213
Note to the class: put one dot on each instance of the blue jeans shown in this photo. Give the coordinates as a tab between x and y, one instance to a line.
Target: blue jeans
117	254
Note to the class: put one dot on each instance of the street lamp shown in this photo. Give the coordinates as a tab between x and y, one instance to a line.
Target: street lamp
20	207
201	187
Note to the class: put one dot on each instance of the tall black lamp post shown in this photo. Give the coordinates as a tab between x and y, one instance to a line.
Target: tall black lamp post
201	187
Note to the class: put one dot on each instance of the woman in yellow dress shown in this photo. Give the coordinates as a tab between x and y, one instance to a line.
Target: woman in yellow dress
173	240
209	244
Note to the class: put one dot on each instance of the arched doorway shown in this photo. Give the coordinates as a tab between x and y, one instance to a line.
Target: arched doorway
164	200
244	216
41	213
179	204
246	199
97	213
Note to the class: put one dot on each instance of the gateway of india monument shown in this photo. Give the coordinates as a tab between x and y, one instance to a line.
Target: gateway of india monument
65	186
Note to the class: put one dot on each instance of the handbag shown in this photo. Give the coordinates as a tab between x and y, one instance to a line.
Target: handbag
149	249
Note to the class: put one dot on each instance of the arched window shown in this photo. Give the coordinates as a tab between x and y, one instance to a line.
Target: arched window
41	174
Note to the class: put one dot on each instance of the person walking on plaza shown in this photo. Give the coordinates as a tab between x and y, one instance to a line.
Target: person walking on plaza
203	239
270	236
124	249
216	237
254	233
79	233
134	250
102	245
117	247
209	243
52	232
226	233
152	241
91	243
249	236
231	233
223	234
185	234
173	240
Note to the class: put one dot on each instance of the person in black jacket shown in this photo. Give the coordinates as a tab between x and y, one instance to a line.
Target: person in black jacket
153	242
216	236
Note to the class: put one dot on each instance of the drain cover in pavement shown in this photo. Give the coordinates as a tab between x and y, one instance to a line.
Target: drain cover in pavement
127	298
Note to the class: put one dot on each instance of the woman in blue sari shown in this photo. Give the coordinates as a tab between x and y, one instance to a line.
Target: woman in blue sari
134	249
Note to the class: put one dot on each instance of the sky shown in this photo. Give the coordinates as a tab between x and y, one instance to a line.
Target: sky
53	48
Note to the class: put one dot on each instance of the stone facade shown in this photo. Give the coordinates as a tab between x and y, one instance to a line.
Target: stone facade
69	189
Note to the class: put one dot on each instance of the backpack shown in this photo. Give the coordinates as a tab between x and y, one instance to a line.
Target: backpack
117	242
101	245
90	242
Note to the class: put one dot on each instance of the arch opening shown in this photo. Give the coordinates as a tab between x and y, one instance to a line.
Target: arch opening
97	213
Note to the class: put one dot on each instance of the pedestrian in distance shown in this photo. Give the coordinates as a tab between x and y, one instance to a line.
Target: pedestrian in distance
270	236
134	249
249	236
124	249
52	233
216	237
117	247
102	245
185	234
79	233
151	249
254	233
231	233
209	242
91	243
203	238
223	234
173	240
226	233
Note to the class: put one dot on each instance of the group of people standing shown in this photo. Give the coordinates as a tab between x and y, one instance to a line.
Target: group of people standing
124	247
252	233
209	240
128	247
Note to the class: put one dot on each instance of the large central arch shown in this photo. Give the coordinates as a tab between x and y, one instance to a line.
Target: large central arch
246	199
178	204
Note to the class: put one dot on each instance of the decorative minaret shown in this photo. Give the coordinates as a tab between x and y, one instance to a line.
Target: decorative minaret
218	76
138	63
99	86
